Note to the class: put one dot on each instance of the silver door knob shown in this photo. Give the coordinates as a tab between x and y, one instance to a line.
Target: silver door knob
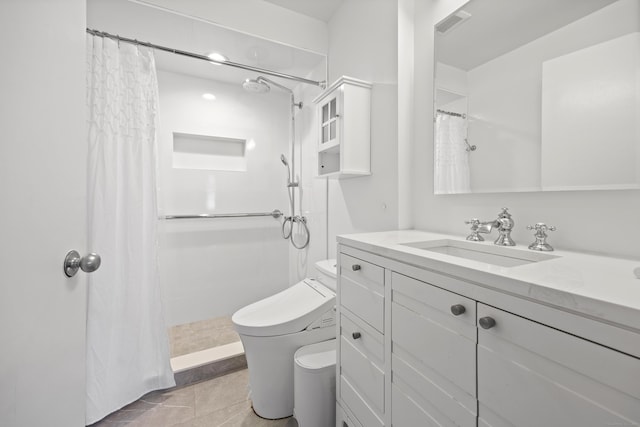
73	262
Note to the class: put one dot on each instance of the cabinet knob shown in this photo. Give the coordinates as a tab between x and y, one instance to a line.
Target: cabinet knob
356	267
487	322
457	309
356	335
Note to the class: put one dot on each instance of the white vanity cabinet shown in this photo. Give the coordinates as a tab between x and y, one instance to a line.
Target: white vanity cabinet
344	119
437	350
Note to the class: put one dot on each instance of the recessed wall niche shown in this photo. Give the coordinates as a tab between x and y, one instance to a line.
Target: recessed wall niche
206	152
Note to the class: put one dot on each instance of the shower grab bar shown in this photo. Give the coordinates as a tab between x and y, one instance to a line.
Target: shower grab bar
275	214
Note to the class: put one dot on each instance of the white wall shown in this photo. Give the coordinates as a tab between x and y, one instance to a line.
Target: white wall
406	10
363	43
594	221
210	268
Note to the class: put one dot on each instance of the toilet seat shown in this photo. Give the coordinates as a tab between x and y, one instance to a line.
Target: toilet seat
286	312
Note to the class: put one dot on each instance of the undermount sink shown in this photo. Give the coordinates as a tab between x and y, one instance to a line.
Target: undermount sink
483	252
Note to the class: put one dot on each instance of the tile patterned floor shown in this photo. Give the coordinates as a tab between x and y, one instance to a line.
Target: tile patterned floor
220	402
201	335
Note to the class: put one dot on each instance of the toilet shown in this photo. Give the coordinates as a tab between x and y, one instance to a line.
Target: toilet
273	329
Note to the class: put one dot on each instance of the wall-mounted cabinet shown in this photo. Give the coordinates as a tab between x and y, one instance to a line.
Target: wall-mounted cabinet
344	118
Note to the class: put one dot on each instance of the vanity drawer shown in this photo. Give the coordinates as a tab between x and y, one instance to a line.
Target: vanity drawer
439	303
362	290
363	412
369	341
362	361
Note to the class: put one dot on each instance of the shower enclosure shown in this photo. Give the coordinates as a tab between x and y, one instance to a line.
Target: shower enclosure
218	155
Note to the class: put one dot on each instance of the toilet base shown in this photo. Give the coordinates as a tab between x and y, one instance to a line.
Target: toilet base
270	362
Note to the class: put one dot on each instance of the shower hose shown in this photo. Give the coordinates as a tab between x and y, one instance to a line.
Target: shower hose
296	219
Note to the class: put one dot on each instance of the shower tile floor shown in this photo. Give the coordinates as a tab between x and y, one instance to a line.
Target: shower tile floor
196	336
220	402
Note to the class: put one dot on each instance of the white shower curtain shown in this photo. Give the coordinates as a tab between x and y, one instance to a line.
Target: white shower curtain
452	173
127	343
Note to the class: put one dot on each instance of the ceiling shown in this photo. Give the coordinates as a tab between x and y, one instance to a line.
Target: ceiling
318	9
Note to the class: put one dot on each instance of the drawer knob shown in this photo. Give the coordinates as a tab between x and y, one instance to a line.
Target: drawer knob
457	309
356	267
487	322
356	335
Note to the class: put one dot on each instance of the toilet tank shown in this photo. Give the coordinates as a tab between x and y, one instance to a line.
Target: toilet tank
326	273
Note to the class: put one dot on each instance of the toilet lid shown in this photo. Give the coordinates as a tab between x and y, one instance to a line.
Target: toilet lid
317	356
286	312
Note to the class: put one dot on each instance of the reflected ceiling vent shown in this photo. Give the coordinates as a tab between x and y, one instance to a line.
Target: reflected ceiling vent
452	21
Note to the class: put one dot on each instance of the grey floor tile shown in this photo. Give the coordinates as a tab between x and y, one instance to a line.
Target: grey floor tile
221	392
220	402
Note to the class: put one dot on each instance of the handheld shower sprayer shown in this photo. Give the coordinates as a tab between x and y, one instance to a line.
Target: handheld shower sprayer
284	161
290	179
289	221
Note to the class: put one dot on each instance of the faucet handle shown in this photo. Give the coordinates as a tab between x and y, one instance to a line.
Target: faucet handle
505	213
475	225
541	236
541	227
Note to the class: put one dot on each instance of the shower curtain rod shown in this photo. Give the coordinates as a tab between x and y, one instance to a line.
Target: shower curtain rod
321	84
450	113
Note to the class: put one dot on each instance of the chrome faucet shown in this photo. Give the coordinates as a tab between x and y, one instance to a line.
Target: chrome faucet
504	223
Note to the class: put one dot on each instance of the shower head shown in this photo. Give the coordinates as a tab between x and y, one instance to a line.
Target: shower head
283	159
262	84
256	86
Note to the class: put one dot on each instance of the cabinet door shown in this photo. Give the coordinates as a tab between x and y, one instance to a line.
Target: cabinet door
433	360
329	116
531	375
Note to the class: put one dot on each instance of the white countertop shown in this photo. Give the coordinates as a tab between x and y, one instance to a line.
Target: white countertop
599	287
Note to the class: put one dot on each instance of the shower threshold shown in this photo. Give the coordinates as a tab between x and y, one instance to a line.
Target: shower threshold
204	350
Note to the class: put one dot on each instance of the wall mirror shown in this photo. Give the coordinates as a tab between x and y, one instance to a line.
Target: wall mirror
537	95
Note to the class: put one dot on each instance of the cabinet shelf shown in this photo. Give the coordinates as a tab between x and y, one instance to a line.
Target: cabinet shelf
330	147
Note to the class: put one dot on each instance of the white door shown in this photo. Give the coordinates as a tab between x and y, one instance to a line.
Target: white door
42	212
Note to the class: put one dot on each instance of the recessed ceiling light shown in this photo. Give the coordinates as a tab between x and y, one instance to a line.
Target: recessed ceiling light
217	57
209	96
